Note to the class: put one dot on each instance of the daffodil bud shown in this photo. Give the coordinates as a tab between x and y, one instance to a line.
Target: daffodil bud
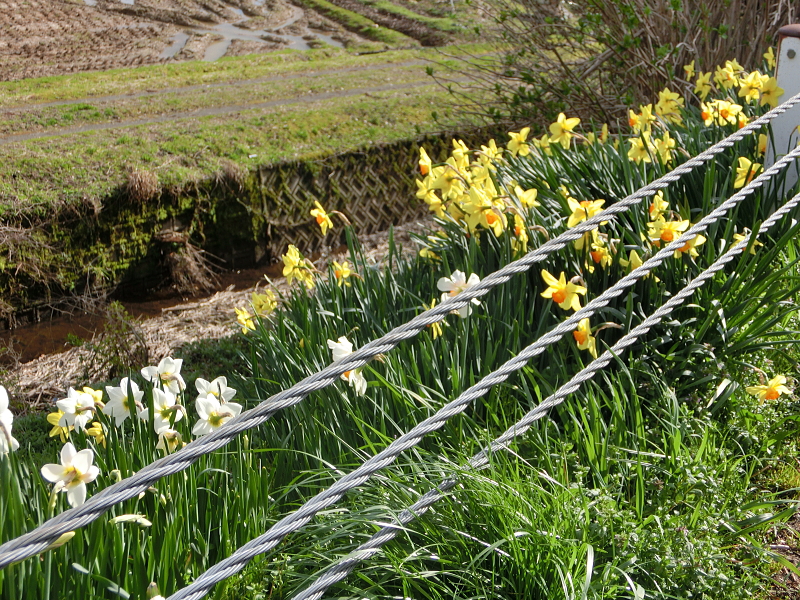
63	539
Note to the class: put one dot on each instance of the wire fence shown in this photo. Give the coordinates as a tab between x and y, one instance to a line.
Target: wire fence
38	539
352	480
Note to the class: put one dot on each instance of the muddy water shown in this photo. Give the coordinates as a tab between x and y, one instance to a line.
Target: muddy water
231	30
52	336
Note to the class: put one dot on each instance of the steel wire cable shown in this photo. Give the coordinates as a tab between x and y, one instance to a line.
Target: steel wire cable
38	539
341	569
305	513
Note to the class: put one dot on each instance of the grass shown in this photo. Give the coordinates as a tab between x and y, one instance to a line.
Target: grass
448	25
37	175
359	23
644	484
226	70
72	115
70	168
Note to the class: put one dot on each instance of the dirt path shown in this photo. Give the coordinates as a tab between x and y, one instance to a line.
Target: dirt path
207	86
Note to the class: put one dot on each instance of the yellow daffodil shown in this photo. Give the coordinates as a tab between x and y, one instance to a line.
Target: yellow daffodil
518	144
750	86
297	267
769	56
98	432
761	147
703	85
669	106
562	293
436	328
460	154
633	262
424	162
583	210
584	338
640	149
725	76
740	237
726	112
707	113
603	133
772	391
658	206
245	319
561	130
62	432
661	230
450	181
264	304
690	247
526	198
770	92
590	138
520	242
742	120
428	195
543	143
342	273
490	153
745	172
634	120
600	253
689	70
664	146
428	254
323	220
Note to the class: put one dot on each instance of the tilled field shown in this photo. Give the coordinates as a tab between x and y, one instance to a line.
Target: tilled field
52	37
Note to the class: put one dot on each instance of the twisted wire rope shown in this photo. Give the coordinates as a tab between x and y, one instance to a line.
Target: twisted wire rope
38	539
292	522
345	566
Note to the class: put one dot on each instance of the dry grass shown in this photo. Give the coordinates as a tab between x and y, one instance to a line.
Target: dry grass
142	185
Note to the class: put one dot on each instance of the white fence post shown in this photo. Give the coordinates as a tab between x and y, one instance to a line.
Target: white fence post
784	134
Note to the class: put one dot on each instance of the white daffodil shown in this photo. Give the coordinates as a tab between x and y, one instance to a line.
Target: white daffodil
213	414
355	378
164	407
217	388
168	372
72	475
123	400
7	441
456	284
78	408
169	440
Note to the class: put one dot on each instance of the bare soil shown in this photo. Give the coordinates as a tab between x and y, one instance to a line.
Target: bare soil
162	326
54	37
